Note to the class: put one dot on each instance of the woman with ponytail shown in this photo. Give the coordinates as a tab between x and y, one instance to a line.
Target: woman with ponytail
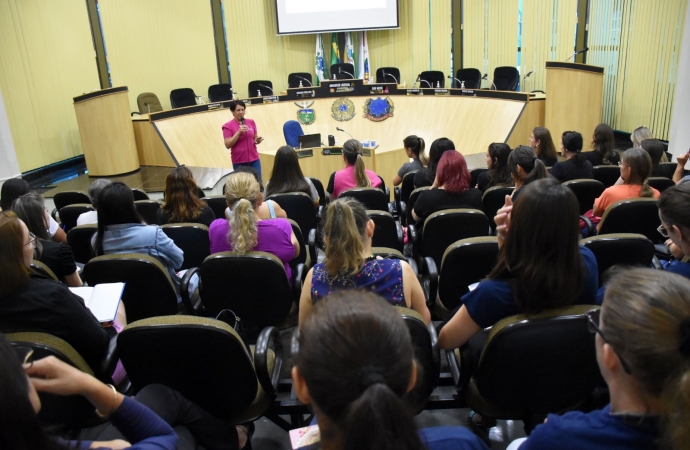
575	166
525	167
414	149
347	232
354	367
354	174
243	231
643	351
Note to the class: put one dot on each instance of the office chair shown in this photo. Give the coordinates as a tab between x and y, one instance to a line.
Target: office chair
192	239
255	88
402	195
70	213
372	198
493	199
148	210
139	194
180	98
471	77
79	239
62	199
628	249
608	175
298	207
506	78
634	215
660	183
148	102
292	130
339	71
432	77
220	92
217	203
586	191
387	232
294	79
388	75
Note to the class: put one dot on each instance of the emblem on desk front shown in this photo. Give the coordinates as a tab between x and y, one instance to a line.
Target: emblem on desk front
343	109
378	109
306	116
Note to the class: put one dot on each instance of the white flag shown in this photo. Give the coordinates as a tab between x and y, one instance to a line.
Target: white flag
364	70
349	50
319	65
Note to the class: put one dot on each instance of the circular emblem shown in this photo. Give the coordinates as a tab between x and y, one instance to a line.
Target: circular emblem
306	116
378	109
343	109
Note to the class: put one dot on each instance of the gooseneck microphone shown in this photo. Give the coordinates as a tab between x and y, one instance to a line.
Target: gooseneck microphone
305	79
586	49
340	70
267	87
486	77
428	84
340	129
458	83
389	75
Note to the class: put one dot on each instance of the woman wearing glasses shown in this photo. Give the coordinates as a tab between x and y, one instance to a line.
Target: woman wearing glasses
675	225
643	351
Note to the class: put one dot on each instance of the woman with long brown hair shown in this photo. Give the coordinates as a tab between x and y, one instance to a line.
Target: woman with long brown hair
603	147
355	173
182	203
287	176
542	143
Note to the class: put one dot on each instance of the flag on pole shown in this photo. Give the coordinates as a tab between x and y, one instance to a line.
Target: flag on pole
364	71
319	66
349	50
335	52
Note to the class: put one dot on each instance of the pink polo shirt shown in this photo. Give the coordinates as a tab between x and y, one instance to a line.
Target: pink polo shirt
244	150
345	179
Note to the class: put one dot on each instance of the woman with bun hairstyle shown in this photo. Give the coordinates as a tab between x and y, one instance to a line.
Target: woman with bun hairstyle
525	167
355	174
427	176
355	365
497	165
575	166
603	147
542	143
349	264
643	350
414	148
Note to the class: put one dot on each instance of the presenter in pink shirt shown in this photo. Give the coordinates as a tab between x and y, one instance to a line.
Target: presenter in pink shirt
241	137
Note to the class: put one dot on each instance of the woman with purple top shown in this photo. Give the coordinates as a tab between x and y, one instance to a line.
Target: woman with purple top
244	232
241	136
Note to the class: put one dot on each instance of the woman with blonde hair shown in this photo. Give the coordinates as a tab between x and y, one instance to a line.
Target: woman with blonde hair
243	231
349	264
640	134
181	202
355	174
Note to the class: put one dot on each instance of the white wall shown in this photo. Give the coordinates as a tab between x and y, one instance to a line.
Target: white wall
9	168
679	135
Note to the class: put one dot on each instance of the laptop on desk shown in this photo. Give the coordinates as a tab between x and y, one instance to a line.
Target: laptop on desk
309	140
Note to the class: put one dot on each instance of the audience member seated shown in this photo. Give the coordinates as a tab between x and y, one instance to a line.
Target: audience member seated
138	423
181	203
414	149
349	265
540	265
657	152
355	365
287	176
497	163
643	346
14	188
525	167
58	257
450	190
29	302
635	168
542	143
268	209
91	217
640	134
244	231
674	213
354	174
121	230
427	176
575	165
603	145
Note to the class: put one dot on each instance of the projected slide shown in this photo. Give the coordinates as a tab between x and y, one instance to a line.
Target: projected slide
318	16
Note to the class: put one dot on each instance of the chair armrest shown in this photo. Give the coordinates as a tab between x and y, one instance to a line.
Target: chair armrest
662	251
134	112
435	353
107	367
184	292
54	215
391	209
414	240
460	369
430	276
656	263
396	196
297	281
269	381
388	193
590	226
401	237
311	243
402	211
415	268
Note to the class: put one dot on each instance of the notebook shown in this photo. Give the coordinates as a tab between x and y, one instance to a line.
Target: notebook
103	300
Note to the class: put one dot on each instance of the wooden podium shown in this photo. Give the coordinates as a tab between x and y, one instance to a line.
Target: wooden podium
107	136
575	93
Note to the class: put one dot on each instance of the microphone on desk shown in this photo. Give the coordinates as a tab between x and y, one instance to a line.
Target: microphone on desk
340	129
267	87
586	49
340	70
417	80
305	79
148	106
458	82
526	77
389	75
429	84
486	77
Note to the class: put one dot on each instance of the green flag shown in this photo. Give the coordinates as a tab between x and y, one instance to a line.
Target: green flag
335	53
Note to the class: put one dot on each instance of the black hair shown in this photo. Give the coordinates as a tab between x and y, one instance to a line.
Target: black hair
499	175
655	148
526	158
12	189
235	103
437	149
572	142
287	175
116	207
416	144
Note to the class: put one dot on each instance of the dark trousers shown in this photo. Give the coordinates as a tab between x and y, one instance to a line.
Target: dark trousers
192	424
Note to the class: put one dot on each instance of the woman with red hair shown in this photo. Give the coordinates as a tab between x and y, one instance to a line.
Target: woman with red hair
451	189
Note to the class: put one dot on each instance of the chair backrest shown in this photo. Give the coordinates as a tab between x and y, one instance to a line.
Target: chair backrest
608	175
338	71
239	283
203	359
388	253
79	239
62	199
70	213
660	183
303	250
148	210
220	92
666	169
586	191
42	269
182	97
471	77
387	232
432	77
407	186
388	75
149	291
63	412
217	203
294	79
465	262
371	198
298	207
634	215
414	195
620	248
255	88
447	226
539	364
318	185
139	194
148	101
192	239
493	199
474	175
506	78
292	130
